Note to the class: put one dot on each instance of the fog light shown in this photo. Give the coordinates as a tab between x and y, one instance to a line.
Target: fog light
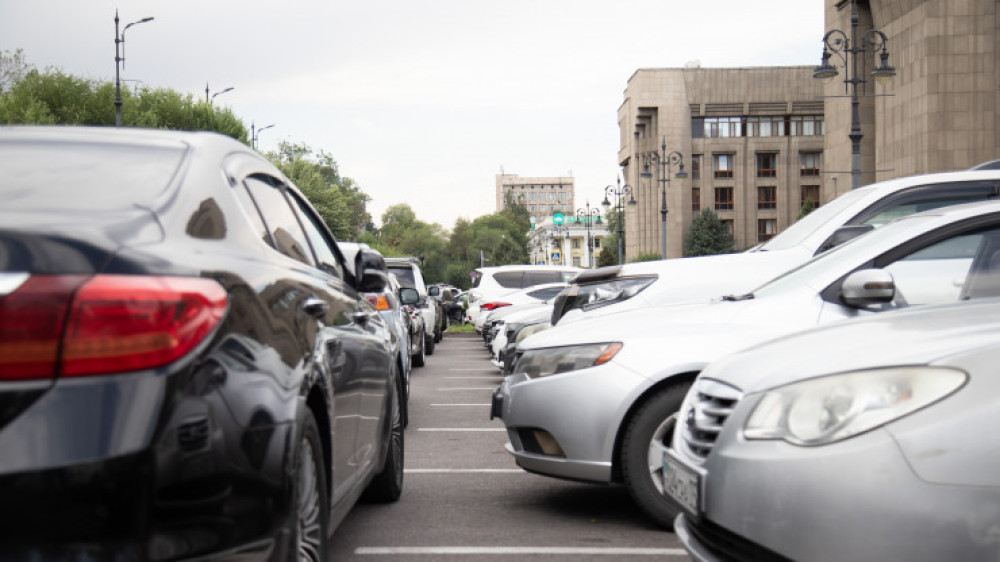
547	443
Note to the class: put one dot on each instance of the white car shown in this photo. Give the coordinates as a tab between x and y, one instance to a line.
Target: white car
490	283
639	285
595	399
532	296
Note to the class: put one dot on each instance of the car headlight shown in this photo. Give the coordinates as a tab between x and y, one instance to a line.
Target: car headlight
532	329
830	409
612	291
552	360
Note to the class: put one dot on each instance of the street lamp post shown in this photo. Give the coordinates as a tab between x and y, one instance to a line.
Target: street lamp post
666	161
255	134
588	216
556	233
850	50
619	191
120	63
209	100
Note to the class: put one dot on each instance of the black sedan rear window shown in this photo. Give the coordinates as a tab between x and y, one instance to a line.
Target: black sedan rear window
84	176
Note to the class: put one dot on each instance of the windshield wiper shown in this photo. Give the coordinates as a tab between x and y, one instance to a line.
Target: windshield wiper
735	298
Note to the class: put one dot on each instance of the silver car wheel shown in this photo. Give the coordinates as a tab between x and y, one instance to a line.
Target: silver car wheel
309	543
657	446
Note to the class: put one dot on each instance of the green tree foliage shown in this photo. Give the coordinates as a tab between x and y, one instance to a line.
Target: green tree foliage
499	239
405	235
607	255
708	235
649	256
13	67
807	207
55	98
341	204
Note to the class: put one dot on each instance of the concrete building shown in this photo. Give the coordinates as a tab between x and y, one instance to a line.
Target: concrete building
751	141
941	111
543	196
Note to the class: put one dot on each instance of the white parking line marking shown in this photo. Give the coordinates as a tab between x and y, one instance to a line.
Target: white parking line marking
462	429
522	550
461	404
494	369
468	388
479	377
464	471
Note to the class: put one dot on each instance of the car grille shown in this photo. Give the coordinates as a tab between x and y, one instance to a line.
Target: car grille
706	411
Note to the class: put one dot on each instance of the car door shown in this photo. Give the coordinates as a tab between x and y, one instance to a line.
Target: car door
369	339
314	296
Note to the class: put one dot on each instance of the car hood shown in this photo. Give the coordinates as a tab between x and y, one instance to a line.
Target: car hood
532	315
920	335
698	279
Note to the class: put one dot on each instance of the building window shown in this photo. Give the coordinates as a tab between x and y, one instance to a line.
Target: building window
723	199
723	165
766	126
723	127
767	165
697	127
696	199
810	163
807	125
576	243
576	261
811	193
597	243
695	166
729	227
767	197
766	229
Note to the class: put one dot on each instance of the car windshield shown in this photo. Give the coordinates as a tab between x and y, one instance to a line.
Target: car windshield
807	225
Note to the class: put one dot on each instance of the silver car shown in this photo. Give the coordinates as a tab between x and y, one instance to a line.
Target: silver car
594	399
868	440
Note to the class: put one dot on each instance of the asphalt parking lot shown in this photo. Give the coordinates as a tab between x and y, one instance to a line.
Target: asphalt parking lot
465	499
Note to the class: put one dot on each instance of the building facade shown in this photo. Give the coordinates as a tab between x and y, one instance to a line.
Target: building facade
941	111
751	142
570	243
543	196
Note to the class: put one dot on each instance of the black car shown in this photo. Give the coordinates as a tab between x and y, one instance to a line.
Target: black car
188	369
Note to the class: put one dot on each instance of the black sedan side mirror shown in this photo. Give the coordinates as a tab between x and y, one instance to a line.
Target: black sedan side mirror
371	268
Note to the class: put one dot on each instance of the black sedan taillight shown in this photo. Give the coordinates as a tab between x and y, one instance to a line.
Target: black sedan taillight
105	324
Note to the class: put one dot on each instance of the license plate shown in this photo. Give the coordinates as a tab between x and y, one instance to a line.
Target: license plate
681	484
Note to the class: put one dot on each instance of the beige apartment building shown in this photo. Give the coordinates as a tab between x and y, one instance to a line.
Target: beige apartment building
750	140
757	142
543	196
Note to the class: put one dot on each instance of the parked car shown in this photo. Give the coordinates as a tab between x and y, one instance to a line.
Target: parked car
512	326
439	294
182	345
594	400
489	283
643	284
866	440
533	295
456	310
407	270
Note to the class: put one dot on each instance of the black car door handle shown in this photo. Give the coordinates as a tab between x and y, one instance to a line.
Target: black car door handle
315	307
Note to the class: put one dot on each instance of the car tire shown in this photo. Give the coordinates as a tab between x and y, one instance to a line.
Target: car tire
438	334
421	358
312	510
647	435
388	483
429	344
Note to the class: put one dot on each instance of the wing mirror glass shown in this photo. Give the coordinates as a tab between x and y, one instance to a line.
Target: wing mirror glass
409	296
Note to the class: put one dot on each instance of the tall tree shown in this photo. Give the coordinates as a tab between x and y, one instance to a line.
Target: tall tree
708	235
13	67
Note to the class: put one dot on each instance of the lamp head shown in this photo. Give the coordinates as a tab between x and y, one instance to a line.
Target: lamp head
825	71
884	70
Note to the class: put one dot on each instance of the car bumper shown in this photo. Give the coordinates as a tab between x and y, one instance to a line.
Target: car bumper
565	425
854	500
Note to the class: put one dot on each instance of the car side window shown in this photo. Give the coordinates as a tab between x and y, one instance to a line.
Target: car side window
936	274
318	235
286	233
509	279
546	293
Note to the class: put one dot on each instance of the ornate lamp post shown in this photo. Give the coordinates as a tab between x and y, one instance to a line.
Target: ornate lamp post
619	191
666	161
850	50
120	63
557	232
209	100
255	135
588	216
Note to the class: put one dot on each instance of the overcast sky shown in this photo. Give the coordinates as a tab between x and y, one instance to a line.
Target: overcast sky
420	101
